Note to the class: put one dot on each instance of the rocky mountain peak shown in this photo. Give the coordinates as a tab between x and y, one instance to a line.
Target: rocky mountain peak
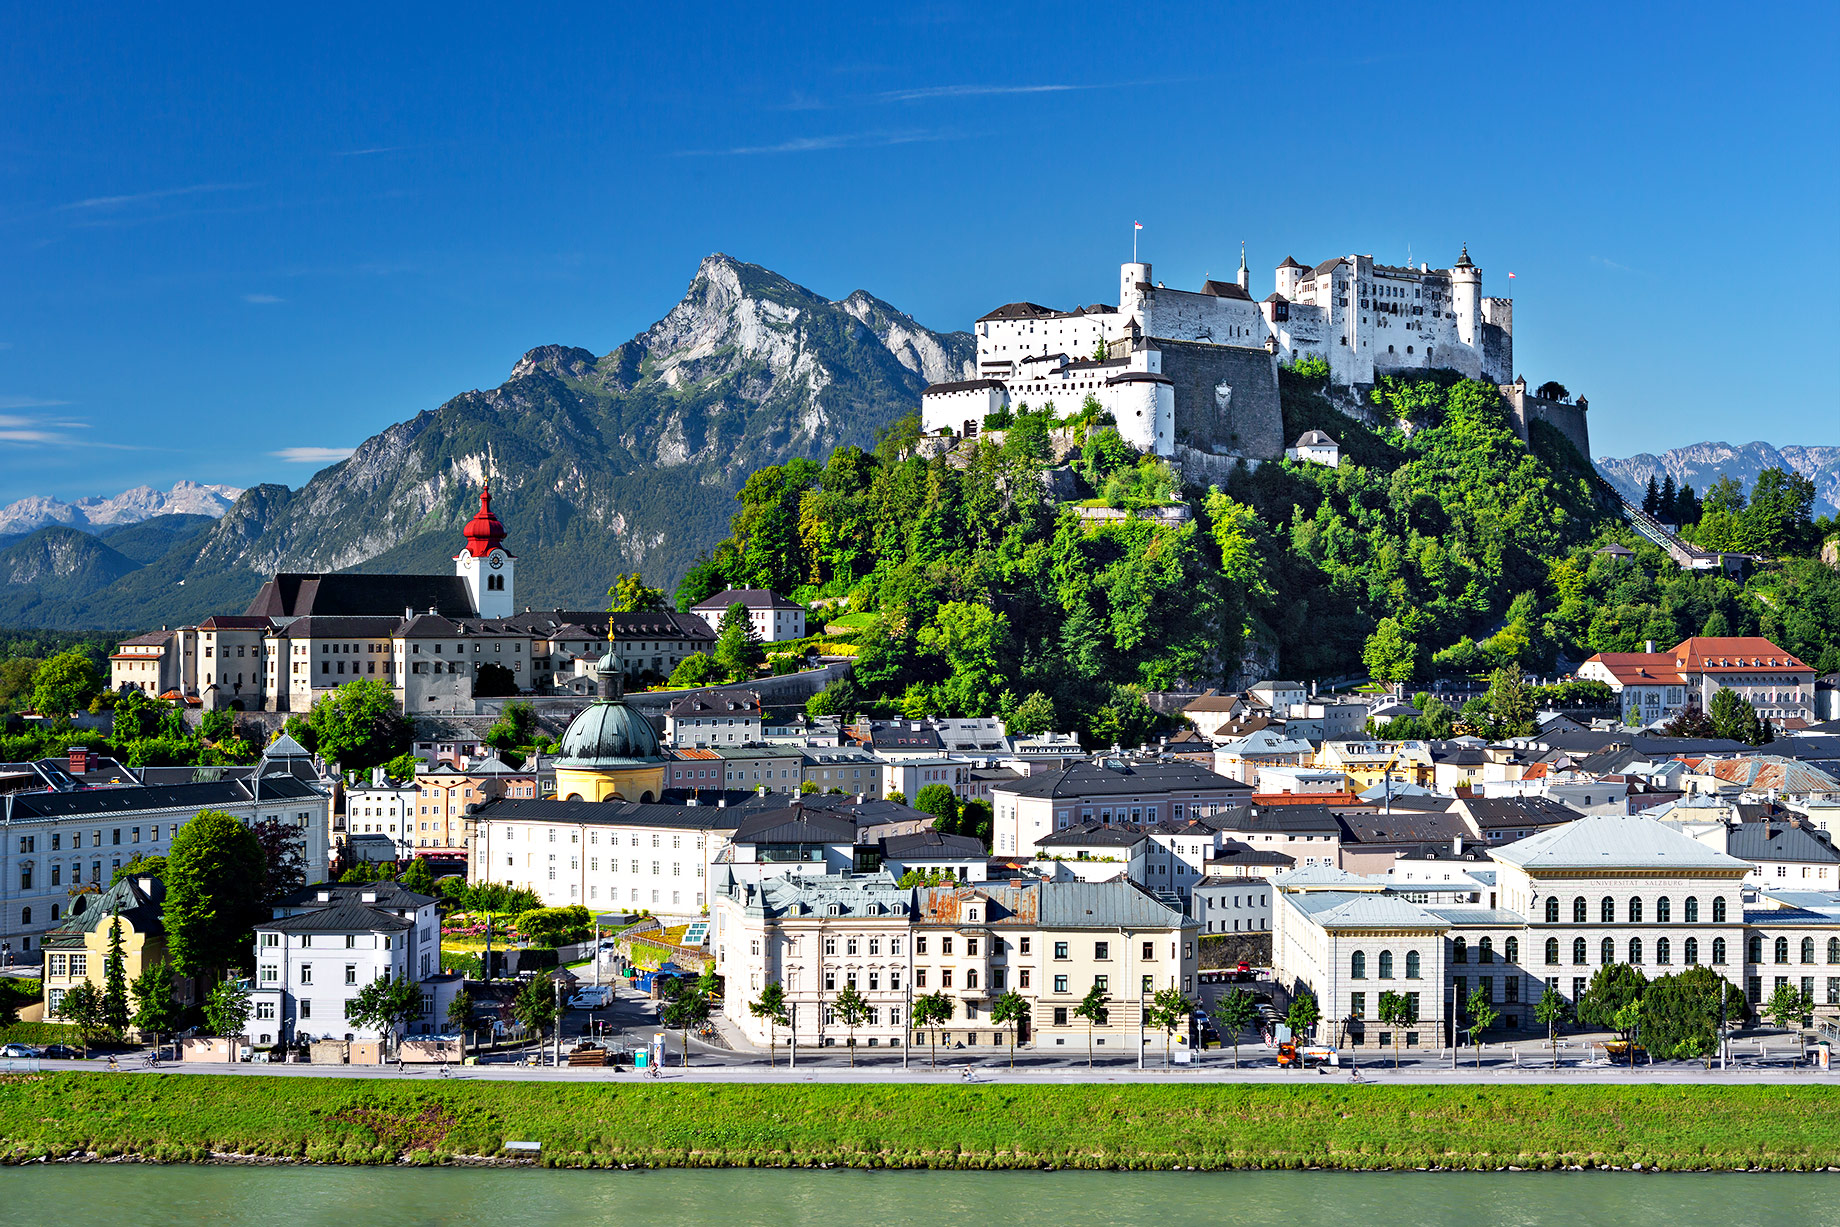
562	361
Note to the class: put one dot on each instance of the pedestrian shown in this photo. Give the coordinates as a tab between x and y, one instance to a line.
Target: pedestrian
444	1067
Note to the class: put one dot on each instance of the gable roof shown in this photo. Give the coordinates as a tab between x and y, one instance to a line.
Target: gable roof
1772	841
1732	654
140	907
753	598
341	918
292	594
1121	777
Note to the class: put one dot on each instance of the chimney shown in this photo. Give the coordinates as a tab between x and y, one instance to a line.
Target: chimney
79	759
721	802
1648	645
1456	845
146	885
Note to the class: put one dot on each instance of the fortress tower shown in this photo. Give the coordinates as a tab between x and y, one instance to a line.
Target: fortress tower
484	565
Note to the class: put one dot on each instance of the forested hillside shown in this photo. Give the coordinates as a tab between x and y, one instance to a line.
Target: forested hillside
1442	545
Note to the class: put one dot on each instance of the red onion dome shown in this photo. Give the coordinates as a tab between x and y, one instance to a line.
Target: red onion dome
484	531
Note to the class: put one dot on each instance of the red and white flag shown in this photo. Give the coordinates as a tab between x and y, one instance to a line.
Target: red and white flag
1510	276
1140	226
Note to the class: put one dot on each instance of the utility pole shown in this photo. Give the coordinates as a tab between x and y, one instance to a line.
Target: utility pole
597	953
556	983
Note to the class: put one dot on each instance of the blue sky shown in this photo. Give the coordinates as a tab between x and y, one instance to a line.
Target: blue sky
238	234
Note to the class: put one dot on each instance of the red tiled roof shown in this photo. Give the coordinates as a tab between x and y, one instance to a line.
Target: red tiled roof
1728	654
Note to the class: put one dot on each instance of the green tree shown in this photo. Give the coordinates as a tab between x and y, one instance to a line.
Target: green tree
358	725
156	1010
970	639
1734	717
515	728
215	872
1389	655
1482	1016
402	767
1552	1009
1235	1011
738	649
694	670
687	1007
933	1011
630	595
86	1010
535	1004
115	979
1788	1007
940	801
386	1005
1302	1016
65	684
1397	1011
460	1017
1169	1012
1613	986
771	1005
1681	1014
1629	1021
1096	1012
226	1008
1033	716
1510	703
1010	1010
284	857
851	1008
418	877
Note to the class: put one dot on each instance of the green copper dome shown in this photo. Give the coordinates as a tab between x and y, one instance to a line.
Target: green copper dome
609	734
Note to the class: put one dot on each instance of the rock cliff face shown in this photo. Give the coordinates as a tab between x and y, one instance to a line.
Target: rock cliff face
1702	464
598	464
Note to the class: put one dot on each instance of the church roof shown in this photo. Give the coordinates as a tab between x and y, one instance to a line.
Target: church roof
484	532
1290	263
608	735
292	594
1225	289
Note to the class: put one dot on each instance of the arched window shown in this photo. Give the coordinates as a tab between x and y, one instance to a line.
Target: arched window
1606	911
1663	910
1578	951
1692	916
1692	951
1386	964
1552	950
1511	950
1578	913
1808	950
1607	952
1486	950
1459	951
1833	949
1718	910
25	915
1412	965
1552	909
971	980
1635	911
1718	952
1756	950
1782	950
1663	951
1357	965
1635	950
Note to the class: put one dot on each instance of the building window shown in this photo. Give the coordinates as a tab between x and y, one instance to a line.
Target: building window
1607	910
1662	910
1578	950
1485	950
1692	951
1412	965
1607	952
1511	950
1663	951
1552	909
1459	951
1386	964
1552	950
1635	950
1357	965
1718	910
1782	950
1578	912
1635	911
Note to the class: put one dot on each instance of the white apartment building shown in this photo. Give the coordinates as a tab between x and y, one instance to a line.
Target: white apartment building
603	854
381	806
704	719
326	943
53	843
1111	791
775	618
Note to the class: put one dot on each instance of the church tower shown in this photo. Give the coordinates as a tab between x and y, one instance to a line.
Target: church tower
484	564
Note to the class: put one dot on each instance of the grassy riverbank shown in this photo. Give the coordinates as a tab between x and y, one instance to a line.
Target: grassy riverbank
179	1117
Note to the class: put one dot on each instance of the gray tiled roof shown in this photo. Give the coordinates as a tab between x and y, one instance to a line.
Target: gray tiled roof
344	918
1104	905
1334	909
1122	777
1612	842
1773	841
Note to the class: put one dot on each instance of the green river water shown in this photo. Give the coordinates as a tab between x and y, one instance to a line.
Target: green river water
45	1196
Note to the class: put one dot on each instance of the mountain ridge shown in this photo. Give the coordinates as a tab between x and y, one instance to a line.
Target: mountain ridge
629	460
129	507
1702	464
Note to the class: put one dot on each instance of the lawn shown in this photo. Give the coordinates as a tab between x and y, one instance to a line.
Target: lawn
178	1117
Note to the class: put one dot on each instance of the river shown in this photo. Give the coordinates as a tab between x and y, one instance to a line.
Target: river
339	1197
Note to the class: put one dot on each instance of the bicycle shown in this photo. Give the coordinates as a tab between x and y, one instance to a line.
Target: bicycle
114	1065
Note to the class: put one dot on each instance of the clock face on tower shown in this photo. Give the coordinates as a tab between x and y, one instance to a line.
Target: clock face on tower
497	560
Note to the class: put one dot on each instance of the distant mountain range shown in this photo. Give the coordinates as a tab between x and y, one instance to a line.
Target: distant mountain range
602	464
1702	464
128	507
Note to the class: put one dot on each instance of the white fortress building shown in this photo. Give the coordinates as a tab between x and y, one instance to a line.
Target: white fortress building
1196	370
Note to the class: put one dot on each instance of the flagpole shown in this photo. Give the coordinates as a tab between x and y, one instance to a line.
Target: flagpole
1134	229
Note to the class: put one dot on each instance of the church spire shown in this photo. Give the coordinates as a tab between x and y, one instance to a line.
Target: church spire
1245	277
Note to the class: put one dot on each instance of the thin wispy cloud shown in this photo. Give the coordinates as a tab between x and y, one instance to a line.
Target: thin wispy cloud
976	91
1612	265
262	300
314	455
139	198
28	402
25	431
372	152
840	140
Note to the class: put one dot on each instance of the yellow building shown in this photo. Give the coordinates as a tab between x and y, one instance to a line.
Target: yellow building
610	752
78	949
1366	763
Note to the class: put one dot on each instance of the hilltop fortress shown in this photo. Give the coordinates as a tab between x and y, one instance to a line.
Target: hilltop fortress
1193	373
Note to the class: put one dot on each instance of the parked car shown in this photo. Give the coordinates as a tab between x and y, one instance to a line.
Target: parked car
62	1052
19	1050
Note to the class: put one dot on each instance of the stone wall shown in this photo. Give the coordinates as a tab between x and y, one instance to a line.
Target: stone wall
1226	398
1570	420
